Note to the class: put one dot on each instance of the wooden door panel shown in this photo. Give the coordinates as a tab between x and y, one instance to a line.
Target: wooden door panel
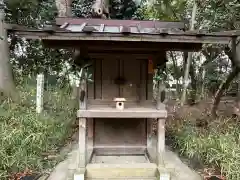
110	70
131	71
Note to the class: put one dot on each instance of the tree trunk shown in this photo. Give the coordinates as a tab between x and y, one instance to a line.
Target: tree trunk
202	73
100	8
225	85
176	71
193	83
235	59
7	86
64	8
189	59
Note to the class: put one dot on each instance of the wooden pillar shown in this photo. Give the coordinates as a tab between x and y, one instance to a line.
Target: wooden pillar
82	126
151	144
161	141
82	142
149	132
89	138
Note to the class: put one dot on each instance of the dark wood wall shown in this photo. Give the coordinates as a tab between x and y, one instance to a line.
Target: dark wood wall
139	86
138	82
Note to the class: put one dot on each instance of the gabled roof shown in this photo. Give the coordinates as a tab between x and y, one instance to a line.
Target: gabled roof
103	34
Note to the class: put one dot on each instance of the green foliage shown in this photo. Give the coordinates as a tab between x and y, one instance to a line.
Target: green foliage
217	146
167	10
25	136
123	9
31	13
218	15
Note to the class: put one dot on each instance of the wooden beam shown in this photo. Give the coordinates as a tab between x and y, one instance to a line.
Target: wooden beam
111	22
118	54
119	150
126	113
161	141
122	47
173	38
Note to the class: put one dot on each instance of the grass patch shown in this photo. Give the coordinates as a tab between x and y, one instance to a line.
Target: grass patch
217	146
25	136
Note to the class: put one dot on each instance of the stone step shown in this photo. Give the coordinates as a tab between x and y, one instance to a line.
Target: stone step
121	171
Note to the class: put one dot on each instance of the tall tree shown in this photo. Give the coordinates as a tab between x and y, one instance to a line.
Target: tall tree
189	59
7	86
234	56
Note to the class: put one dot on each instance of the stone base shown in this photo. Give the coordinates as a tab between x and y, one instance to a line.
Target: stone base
123	171
78	177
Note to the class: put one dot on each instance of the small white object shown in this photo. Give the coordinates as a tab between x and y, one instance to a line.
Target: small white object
120	103
40	89
78	177
164	176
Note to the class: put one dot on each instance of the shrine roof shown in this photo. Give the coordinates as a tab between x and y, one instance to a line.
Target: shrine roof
79	31
118	26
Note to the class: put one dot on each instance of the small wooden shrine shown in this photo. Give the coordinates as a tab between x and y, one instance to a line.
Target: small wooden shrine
116	111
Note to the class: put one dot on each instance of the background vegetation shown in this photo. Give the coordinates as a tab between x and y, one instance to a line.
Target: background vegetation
24	136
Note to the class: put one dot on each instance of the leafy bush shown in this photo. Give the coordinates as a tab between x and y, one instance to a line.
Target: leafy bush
25	136
217	146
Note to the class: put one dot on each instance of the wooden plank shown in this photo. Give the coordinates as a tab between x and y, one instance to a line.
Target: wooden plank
126	113
120	151
123	47
111	103
143	78
161	141
82	143
90	139
98	79
149	132
177	38
114	22
132	74
149	87
122	55
119	133
120	74
110	71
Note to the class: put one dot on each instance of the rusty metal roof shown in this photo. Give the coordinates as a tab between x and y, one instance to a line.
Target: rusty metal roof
71	32
119	26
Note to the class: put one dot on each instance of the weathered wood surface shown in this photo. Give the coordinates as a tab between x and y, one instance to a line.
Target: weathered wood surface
160	141
120	151
40	93
126	113
82	125
90	138
133	109
110	68
114	22
123	47
122	171
176	38
120	134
